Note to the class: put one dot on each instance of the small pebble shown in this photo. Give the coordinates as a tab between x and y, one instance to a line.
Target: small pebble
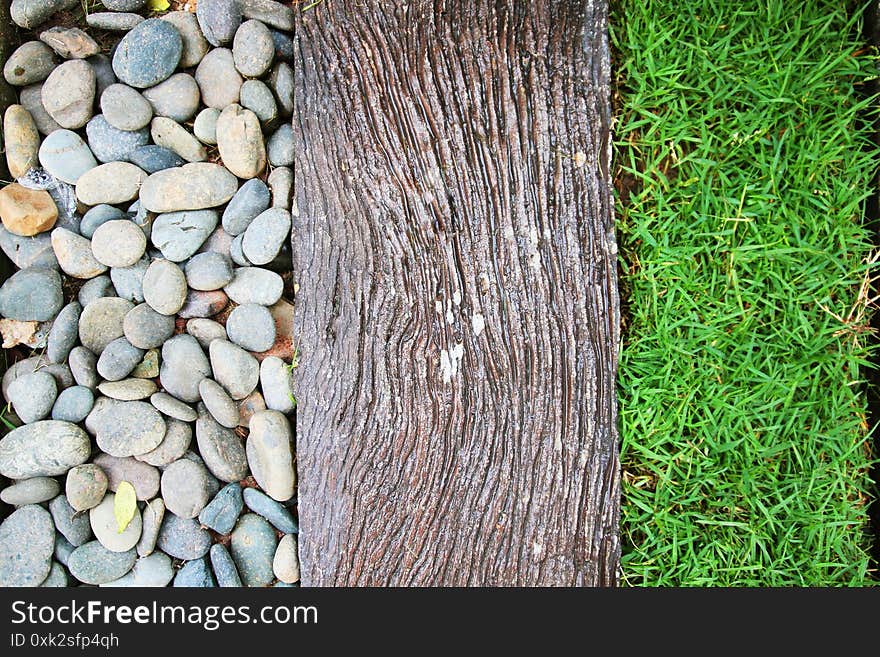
194	186
112	183
129	281
173	136
69	94
205	126
125	108
222	450
127	389
66	156
203	304
251	327
184	365
177	98
86	486
265	236
219	20
129	428
254	285
64	333
165	287
218	79
185	488
285	565
101	322
22	140
74	526
275	383
205	331
74	254
281	146
152	158
73	404
256	96
84	367
26	212
270	454
173	407
221	512
224	567
100	214
114	21
195	46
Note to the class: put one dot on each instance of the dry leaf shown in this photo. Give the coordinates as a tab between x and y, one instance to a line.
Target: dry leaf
125	505
159	5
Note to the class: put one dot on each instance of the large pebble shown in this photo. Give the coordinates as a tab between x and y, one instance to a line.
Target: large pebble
208	271
130	428
219	19
253	49
184	365
143	477
152	517
22	140
256	96
112	183
33	395
164	287
251	327
173	407
280	148
28	252
26	212
153	570
74	254
224	567
113	21
102	321
106	529
205	125
221	512
100	214
195	186
30	491
69	94
66	156
286	562
110	144
73	404
178	437
125	108
275	383
221	449
148	54
185	488
253	549
265	236
84	367
118	243
234	368
129	281
178	235
118	359
31	295
195	46
32	13
27	540
128	389
176	98
183	538
240	141
194	574
254	285
205	331
70	42
31	62
218	79
94	564
273	511
85	487
176	138
269	12
270	454
61	372
145	328
74	526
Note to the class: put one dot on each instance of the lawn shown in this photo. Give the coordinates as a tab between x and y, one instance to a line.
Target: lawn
743	165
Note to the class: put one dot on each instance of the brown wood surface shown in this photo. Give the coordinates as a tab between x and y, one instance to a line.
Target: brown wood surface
457	312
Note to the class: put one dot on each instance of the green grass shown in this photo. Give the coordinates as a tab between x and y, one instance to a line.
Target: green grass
745	260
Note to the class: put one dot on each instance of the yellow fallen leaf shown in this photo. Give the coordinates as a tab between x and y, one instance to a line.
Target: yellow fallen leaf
125	505
159	5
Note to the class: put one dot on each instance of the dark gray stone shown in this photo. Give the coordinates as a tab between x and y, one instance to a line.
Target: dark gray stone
31	295
249	201
183	538
221	512
152	158
27	540
253	550
273	511
148	54
73	404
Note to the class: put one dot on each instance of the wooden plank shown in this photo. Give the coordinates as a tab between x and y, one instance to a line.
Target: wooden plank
457	312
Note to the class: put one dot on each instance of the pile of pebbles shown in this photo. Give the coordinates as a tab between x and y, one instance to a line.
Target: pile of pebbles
149	224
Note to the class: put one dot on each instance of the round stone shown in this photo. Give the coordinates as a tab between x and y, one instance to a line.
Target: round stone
203	304
251	327
94	564
219	20
66	156
208	271
173	407
125	108
22	140
270	454
148	54
195	186
178	235
253	550
164	287
74	254
176	98
275	383
118	360
183	538
240	142
205	126
84	367
69	94
33	395
27	540
73	404
254	285
280	147
70	43
275	512
96	216
72	525
184	365
102	321
143	477
118	243
285	565
113	183
153	514
176	138
178	437
258	97
195	46
234	368
106	530
30	491
185	488
145	328
205	331
26	212
110	144
218	79
152	158
265	236
31	62
221	512
253	49
129	428
86	485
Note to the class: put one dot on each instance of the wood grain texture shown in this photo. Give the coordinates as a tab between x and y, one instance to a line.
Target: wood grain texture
457	313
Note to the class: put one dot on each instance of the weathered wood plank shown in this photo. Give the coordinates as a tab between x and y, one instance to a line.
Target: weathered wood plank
457	310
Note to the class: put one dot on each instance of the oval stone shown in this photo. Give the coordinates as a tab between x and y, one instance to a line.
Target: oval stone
234	368
265	236
205	126
173	136
240	141
218	79
74	254
173	407
118	359
195	186
118	243
221	512
102	321
129	429
111	183
69	94
22	140
152	158
178	437
270	454
73	404
110	144
143	477
255	285
253	548
183	538
94	564
249	201
165	287
32	395
148	54
31	62
208	271
106	530
251	327
66	156
185	488
177	98
147	329
184	365
253	49
219	19
221	449
27	541
194	43
86	485
125	108
30	491
43	449
26	212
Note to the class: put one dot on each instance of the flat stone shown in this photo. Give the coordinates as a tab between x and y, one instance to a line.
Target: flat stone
224	567
118	243
254	285
70	42
22	140
106	529
273	511
114	21
205	125
129	281
265	236
124	108
86	485
148	368
253	547
112	183
256	96
221	512
183	538
95	288
26	212
148	54
184	365
66	156
234	368
154	513
128	389
94	564
195	186
30	491
173	407
27	540
74	254
151	571
31	62
84	367
72	525
251	327
152	158
240	141
165	287
100	214
285	565
194	574
130	428
219	20
270	454
69	94
281	146
143	477
31	295
31	97
32	13
185	488
281	83
178	235
218	79
248	406
253	49
102	321
110	144
205	331
221	449
28	252
208	271
177	98
57	577
195	46
178	437
276	384
73	404
176	138
203	304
